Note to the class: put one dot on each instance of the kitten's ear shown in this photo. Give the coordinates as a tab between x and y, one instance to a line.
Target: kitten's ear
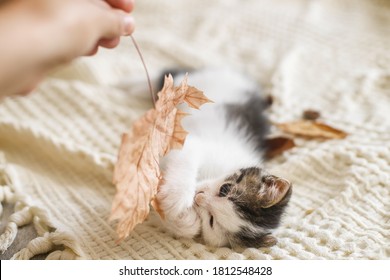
273	191
268	241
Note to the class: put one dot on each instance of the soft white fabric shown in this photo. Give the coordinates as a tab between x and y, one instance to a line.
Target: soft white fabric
61	142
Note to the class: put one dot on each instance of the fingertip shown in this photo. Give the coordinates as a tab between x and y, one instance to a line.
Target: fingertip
128	23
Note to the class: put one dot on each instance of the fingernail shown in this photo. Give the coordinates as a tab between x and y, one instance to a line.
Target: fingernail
129	25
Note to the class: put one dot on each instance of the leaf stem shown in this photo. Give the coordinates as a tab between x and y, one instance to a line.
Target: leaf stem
146	70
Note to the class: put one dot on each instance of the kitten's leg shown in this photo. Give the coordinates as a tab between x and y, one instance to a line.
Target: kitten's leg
176	194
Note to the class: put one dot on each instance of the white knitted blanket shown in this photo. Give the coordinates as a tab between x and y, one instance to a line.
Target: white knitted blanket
59	144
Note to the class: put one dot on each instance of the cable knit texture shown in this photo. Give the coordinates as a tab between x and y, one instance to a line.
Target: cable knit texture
60	143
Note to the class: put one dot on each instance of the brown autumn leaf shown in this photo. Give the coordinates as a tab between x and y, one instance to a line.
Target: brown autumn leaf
311	115
311	129
137	173
277	145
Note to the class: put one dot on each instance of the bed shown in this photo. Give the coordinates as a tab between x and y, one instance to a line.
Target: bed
58	145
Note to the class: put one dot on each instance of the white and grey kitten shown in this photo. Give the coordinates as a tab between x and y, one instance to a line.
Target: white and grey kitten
215	187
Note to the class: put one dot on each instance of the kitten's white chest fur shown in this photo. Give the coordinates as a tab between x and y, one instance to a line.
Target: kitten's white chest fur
223	156
220	147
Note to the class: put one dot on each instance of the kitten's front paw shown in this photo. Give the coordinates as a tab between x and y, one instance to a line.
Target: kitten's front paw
177	204
185	224
173	202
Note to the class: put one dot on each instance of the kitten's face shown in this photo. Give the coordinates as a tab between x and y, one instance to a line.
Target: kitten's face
242	208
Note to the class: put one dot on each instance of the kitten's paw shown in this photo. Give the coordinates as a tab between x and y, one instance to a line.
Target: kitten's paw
173	202
186	224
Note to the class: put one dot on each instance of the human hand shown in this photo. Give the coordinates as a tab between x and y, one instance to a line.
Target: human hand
124	5
80	26
38	35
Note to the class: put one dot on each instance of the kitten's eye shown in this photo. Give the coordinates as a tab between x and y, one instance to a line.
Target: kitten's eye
224	190
211	221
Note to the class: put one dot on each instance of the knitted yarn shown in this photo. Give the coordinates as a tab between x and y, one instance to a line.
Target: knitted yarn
60	143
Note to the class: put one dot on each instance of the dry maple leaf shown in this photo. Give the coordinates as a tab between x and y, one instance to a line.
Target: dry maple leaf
311	129
137	173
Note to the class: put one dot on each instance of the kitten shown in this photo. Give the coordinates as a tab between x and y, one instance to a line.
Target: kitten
215	187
